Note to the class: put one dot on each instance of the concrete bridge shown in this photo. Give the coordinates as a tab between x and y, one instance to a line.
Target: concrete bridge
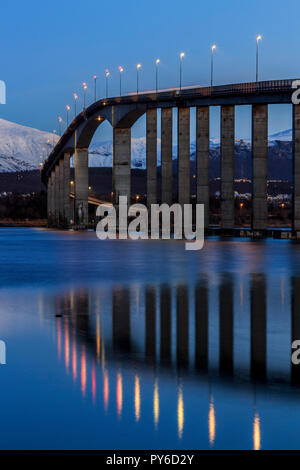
123	112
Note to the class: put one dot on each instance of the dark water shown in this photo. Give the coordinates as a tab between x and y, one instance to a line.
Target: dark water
127	345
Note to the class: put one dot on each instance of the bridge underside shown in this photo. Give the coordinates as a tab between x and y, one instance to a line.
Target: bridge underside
123	112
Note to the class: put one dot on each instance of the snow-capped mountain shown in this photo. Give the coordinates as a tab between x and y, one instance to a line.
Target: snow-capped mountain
23	148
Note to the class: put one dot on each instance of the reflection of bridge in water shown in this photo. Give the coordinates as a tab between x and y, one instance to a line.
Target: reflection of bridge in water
165	331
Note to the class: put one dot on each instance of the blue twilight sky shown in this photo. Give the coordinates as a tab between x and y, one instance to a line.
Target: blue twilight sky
49	48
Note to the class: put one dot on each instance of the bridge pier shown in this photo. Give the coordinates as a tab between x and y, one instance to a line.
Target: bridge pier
202	159
66	189
260	166
296	151
166	155
227	164
151	156
183	146
61	192
121	164
50	199
56	196
81	187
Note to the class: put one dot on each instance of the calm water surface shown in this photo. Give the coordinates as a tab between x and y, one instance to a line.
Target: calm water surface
143	345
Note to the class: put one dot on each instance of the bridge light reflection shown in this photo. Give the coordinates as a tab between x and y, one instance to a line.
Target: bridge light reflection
211	422
256	432
137	398
83	371
156	403
180	412
119	393
105	389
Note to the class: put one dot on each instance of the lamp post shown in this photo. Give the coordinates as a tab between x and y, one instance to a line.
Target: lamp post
213	48
68	109
84	93
156	76
258	38
137	77
75	102
59	124
107	74
121	70
95	88
182	54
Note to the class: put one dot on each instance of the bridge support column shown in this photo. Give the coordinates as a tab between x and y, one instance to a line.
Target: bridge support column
121	164
151	156
81	187
227	164
50	199
260	166
56	196
296	148
202	157
183	155
166	156
66	189
61	192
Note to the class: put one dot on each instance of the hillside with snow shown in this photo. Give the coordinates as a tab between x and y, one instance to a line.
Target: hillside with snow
23	148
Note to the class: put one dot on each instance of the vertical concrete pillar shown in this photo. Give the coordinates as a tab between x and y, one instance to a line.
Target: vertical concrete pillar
296	149
227	167
56	196
52	182
166	155
183	155
49	199
202	159
66	189
121	164
61	192
151	156
81	187
260	166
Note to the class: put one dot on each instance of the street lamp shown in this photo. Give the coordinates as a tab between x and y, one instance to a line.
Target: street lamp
121	70
156	78
213	48
182	54
59	124
95	87
75	102
137	77
107	74
258	38
84	93
68	109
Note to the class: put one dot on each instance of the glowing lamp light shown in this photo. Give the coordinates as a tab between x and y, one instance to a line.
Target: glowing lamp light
258	37
138	66
157	61
121	69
